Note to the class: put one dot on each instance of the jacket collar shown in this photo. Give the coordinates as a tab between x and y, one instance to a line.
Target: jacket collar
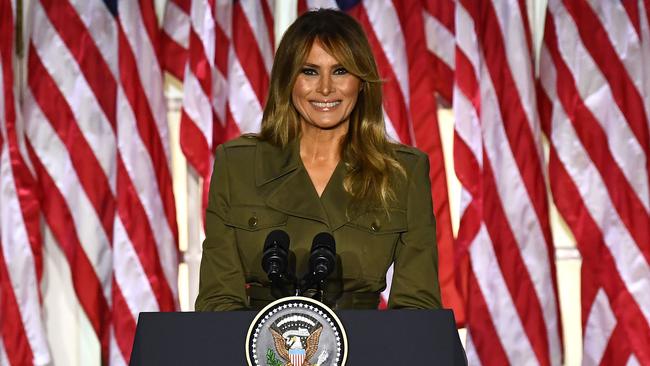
273	162
291	190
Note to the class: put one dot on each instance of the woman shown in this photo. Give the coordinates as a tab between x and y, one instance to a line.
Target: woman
322	163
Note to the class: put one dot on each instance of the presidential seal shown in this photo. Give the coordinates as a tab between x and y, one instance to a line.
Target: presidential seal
296	331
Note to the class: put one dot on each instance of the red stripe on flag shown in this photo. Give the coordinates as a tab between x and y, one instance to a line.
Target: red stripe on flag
223	133
524	19
302	6
222	46
646	5
196	149
249	55
467	80
174	57
80	43
618	349
589	287
444	83
123	322
151	25
199	65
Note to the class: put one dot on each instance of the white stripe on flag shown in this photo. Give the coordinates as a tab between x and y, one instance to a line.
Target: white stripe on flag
197	106
177	24
440	40
244	105
388	29
599	327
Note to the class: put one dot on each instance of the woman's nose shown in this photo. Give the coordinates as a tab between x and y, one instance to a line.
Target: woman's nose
324	85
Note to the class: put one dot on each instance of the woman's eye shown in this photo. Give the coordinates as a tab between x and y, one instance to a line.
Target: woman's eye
308	71
340	71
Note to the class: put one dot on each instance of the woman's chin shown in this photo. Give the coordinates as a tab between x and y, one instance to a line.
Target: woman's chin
326	124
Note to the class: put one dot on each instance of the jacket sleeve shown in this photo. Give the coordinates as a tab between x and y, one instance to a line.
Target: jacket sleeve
221	281
415	273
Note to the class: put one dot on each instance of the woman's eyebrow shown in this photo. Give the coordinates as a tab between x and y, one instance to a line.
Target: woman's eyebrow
307	64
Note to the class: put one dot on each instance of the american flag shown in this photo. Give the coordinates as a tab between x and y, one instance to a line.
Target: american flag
595	108
85	182
230	53
96	133
22	336
396	31
512	308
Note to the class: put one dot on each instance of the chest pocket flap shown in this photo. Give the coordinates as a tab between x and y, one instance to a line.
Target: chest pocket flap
378	222
253	218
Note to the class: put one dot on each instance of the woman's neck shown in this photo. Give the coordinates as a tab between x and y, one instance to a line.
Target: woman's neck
318	146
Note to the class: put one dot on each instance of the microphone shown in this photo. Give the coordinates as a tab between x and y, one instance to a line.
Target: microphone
322	259
274	257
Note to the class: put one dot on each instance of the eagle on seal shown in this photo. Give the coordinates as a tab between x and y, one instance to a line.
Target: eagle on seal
283	347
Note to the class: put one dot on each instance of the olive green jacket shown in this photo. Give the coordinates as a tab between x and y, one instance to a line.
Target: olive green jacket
257	187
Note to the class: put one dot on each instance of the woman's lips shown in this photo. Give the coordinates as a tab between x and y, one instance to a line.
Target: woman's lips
325	106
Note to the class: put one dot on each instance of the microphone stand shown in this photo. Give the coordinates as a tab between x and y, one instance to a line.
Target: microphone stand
307	284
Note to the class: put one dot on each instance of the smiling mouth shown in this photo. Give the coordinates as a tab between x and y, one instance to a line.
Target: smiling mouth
324	106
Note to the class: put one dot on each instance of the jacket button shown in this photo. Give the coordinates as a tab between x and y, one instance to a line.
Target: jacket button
375	226
252	222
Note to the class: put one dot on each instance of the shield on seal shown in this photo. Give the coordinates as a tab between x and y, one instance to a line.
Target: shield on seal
297	356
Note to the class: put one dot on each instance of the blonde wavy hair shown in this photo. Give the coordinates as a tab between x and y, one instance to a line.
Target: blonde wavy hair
366	151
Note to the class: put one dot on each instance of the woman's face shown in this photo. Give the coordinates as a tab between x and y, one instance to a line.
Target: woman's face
325	92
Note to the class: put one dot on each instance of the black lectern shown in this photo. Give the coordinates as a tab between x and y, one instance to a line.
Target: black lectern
395	337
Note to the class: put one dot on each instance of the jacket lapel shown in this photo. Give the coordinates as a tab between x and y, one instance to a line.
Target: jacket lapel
335	200
291	190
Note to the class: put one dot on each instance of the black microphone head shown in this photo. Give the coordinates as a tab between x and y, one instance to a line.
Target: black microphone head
274	256
277	237
324	240
322	259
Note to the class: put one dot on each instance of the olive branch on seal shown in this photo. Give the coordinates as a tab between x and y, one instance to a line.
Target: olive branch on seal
271	360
